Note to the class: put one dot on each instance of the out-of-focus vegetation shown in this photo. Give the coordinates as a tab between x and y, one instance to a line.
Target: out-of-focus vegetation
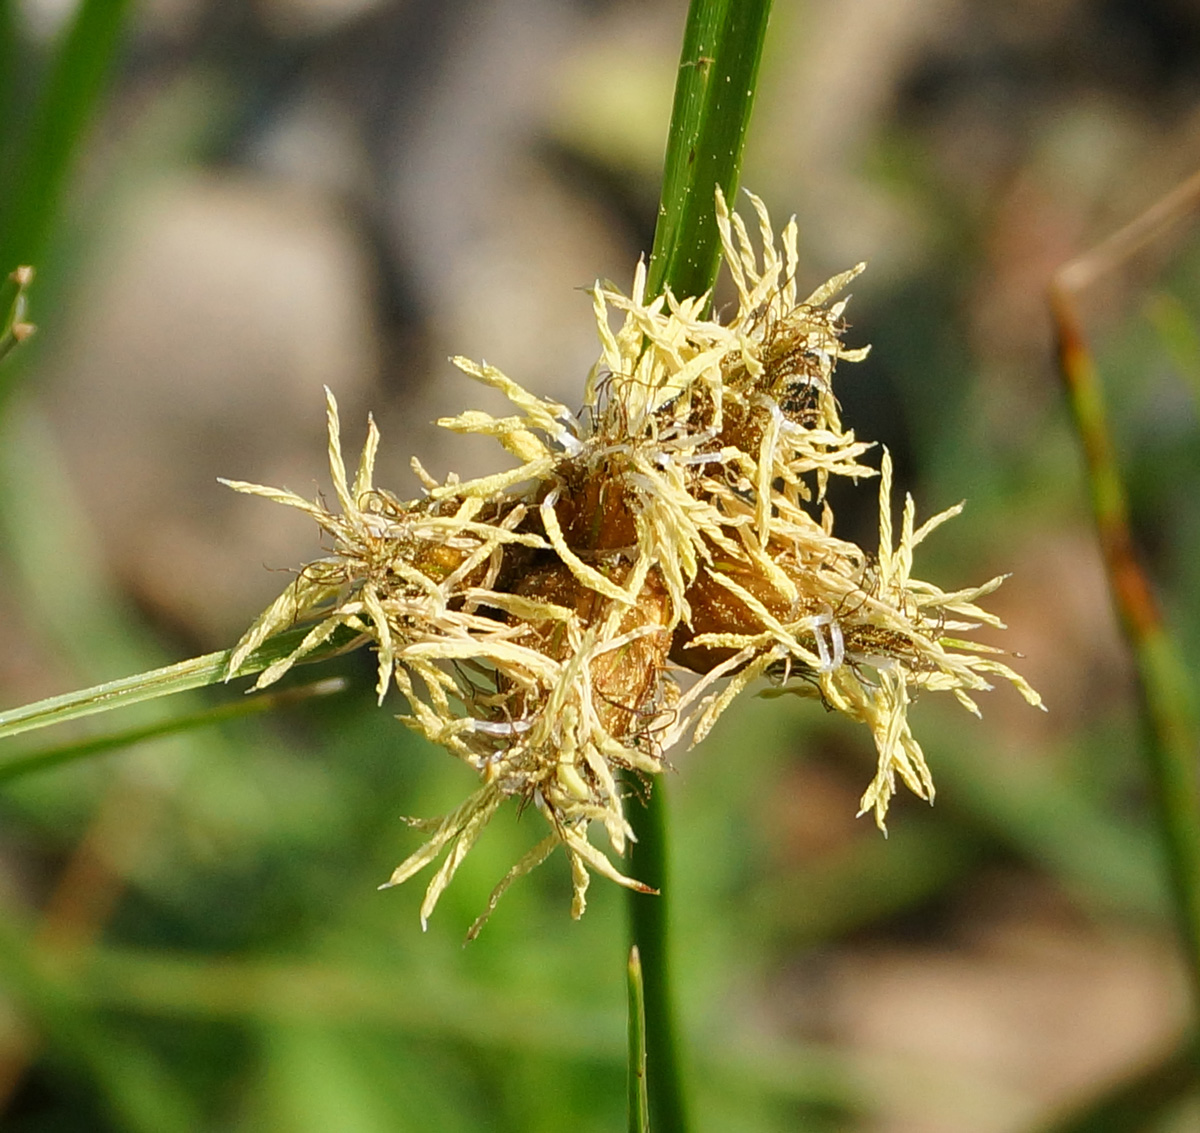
269	196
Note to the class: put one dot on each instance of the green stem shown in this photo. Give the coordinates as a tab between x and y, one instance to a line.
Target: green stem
184	675
648	924
16	766
714	95
1171	734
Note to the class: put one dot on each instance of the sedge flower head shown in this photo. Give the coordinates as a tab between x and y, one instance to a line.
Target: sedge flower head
564	624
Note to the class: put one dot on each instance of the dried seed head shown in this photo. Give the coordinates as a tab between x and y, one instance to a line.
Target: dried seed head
536	621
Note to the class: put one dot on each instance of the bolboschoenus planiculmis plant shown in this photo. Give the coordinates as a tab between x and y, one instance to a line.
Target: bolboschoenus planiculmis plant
647	559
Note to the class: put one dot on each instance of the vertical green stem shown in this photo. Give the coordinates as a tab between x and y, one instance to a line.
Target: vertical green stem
714	95
648	924
1171	740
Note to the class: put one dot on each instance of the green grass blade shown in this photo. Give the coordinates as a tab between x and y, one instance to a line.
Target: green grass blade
180	677
30	195
251	706
65	110
714	95
639	1105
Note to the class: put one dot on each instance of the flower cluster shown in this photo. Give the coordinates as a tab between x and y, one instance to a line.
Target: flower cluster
645	561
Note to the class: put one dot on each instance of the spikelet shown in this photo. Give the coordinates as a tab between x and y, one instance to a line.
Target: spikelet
538	622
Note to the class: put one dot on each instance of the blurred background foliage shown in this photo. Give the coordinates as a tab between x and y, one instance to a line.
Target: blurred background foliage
268	195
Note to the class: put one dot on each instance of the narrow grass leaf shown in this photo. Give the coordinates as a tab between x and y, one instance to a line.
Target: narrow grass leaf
48	758
180	677
639	1104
